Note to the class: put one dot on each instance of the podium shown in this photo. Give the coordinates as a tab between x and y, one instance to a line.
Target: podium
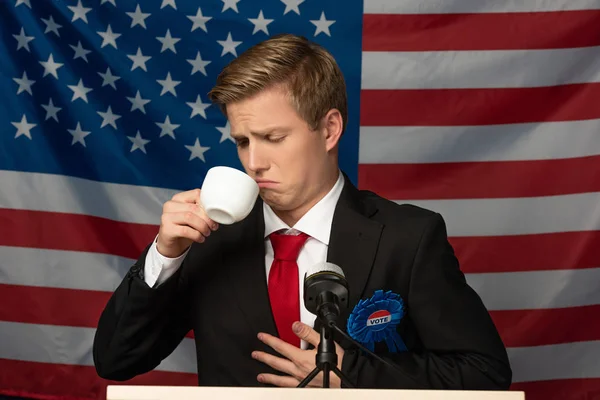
118	392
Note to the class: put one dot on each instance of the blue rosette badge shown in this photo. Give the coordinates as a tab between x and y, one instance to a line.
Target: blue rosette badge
375	320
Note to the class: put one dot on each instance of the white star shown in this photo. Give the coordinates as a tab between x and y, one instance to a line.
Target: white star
229	45
198	107
137	103
78	135
199	20
51	67
51	26
108	78
23	127
138	142
109	37
225	133
109	1
260	23
168	85
24	84
108	118
198	64
167	128
51	110
227	4
23	41
197	151
139	60
322	24
79	12
138	17
26	2
168	42
79	91
292	5
168	3
80	52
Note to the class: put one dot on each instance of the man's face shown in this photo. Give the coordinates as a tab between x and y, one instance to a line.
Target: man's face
278	149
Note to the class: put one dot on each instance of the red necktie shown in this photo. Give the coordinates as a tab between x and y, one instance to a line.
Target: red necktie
284	291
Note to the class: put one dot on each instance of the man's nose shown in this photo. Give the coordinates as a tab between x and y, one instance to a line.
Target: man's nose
257	159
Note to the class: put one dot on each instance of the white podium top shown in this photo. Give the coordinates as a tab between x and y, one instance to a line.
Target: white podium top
119	392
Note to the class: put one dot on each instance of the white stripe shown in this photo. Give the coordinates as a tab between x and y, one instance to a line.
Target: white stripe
537	289
479	69
517	216
73	346
513	142
62	269
57	193
558	361
474	6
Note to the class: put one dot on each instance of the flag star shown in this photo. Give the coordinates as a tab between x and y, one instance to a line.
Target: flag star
197	151
23	127
198	107
199	20
51	67
138	142
108	118
23	41
26	2
168	3
227	4
79	91
24	84
138	17
260	23
138	103
292	5
225	133
168	85
51	26
78	135
79	12
51	110
168	42
229	45
108	78
80	52
322	24
109	37
139	60
109	1
198	64
167	128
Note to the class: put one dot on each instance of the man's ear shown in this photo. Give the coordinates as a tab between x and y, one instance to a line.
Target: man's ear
333	126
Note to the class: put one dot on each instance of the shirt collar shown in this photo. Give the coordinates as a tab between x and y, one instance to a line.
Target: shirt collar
316	222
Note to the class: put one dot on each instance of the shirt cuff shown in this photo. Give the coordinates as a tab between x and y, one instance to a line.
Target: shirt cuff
158	268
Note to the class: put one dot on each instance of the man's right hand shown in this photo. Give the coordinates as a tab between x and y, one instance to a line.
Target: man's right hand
183	222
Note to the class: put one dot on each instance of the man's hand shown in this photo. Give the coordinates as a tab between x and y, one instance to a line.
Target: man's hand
297	363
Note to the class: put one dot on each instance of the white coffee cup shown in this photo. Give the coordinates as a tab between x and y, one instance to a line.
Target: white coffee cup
228	194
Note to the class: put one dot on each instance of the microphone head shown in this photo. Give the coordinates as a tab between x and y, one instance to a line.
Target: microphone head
324	280
324	267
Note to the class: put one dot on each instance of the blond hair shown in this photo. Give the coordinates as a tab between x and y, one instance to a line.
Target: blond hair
313	79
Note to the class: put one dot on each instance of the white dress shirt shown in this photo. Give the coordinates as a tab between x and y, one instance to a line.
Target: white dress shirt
316	223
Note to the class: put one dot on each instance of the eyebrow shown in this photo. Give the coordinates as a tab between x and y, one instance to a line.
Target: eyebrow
278	129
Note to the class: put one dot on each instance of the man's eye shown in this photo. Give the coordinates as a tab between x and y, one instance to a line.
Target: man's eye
241	142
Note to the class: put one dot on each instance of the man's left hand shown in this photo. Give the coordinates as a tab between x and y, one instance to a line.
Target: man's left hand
297	363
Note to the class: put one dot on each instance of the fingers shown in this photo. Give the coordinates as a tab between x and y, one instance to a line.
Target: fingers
281	381
306	333
278	363
191	196
280	346
180	220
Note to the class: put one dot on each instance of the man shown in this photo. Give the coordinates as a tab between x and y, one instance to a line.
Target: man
285	99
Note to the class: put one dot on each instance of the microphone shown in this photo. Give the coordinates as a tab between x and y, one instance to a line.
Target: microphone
325	291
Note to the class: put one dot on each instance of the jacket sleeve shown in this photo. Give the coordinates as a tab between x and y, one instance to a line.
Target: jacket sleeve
140	325
461	346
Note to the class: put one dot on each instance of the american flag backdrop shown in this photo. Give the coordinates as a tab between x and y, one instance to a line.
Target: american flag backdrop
483	110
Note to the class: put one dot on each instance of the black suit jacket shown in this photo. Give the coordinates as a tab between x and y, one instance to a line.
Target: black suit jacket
220	292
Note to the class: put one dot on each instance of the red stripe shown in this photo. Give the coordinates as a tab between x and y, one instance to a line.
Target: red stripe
72	382
454	107
58	231
482	31
520	328
537	252
479	180
54	306
560	389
